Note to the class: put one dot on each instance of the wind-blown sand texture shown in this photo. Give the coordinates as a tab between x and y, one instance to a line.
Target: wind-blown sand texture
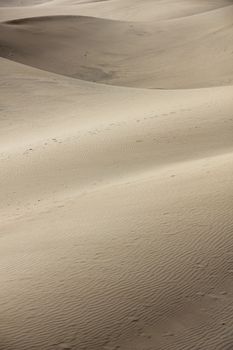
116	200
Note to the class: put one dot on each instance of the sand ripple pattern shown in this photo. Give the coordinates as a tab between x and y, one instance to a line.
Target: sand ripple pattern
116	162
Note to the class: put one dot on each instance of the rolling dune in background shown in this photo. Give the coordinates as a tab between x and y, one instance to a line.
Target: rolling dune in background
159	55
116	151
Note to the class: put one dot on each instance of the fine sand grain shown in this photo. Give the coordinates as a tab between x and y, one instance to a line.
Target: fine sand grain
116	153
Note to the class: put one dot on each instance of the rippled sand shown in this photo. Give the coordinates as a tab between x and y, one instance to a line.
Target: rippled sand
116	163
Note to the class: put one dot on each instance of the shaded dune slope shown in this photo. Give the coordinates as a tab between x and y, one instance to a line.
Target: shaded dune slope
137	10
128	10
127	54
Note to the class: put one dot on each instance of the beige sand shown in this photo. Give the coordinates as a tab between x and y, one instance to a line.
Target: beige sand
188	52
116	202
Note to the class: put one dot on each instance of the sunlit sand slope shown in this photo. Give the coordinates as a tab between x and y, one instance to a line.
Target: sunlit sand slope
116	215
116	161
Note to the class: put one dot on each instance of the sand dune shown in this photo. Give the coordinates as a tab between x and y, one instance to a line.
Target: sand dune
127	54
135	131
20	3
127	10
116	202
114	237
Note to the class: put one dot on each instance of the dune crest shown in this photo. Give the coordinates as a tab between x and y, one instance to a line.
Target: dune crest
116	154
127	54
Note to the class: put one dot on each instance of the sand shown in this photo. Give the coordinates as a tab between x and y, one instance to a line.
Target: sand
146	55
116	168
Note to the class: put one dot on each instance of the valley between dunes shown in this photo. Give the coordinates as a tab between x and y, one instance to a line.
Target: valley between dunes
116	153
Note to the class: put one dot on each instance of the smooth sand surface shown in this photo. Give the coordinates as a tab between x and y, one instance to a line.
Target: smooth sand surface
116	198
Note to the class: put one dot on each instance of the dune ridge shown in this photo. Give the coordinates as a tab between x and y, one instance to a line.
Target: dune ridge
127	54
127	10
116	155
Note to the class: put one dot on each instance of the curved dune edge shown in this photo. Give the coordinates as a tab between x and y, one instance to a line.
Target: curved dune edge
126	10
116	202
116	208
127	54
